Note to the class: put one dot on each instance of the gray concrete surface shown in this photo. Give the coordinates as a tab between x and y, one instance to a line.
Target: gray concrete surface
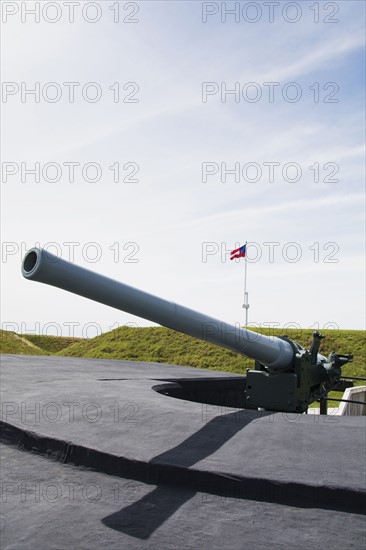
50	505
216	472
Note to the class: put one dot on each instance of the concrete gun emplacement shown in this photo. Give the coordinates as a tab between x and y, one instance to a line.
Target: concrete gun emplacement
286	377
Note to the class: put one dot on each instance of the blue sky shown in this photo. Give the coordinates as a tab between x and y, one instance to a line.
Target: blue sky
171	215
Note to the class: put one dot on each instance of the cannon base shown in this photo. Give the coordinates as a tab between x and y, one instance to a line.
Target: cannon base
272	392
308	379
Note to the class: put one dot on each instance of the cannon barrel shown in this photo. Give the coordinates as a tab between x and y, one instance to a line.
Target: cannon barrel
42	266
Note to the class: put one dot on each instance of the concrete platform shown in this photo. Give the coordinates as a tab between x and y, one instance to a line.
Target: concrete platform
50	505
105	416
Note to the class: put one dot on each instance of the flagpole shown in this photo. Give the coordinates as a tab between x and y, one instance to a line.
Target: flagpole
245	304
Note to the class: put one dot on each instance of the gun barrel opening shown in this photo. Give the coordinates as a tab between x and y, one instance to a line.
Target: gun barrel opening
29	262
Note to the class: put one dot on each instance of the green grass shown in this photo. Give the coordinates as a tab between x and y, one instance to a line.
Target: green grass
163	345
160	345
51	344
10	342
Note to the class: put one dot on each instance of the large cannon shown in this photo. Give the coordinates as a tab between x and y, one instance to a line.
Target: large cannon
286	377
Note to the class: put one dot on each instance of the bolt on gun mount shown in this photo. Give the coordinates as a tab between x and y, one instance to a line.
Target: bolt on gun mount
286	377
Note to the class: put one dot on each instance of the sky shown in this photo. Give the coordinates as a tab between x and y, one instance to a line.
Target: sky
160	136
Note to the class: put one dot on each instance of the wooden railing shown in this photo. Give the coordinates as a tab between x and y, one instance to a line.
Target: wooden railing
357	393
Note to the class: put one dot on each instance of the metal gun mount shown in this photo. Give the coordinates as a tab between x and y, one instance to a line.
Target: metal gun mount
285	378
